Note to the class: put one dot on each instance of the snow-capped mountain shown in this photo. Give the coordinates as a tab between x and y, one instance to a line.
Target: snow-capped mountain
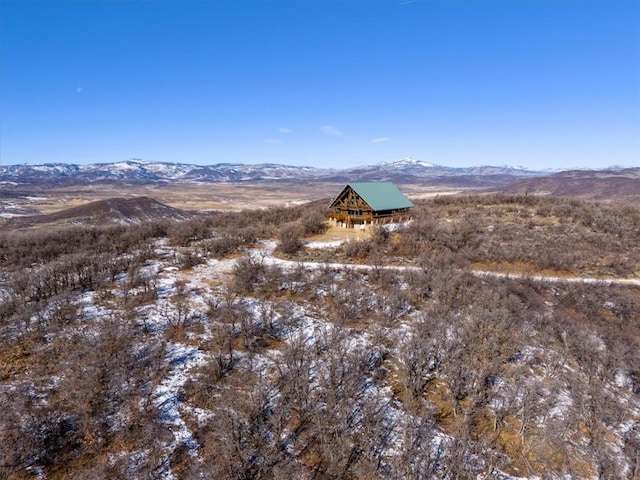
419	167
405	170
407	162
409	170
144	171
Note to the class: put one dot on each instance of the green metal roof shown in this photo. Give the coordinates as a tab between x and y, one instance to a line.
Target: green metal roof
381	195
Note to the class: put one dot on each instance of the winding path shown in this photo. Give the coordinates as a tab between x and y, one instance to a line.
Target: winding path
265	254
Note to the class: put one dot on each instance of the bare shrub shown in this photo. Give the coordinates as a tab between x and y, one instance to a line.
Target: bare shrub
247	272
289	238
380	235
190	259
357	249
313	223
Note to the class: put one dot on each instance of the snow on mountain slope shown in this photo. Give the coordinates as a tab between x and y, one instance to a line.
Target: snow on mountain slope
140	171
407	162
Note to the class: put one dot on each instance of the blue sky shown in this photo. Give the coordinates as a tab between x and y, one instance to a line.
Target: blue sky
535	83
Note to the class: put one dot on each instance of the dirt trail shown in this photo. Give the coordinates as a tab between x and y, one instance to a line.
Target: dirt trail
265	254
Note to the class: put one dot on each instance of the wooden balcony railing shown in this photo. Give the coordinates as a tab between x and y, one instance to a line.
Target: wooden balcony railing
369	217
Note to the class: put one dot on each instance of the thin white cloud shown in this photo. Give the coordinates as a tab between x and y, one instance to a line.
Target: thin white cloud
330	130
380	139
272	141
284	130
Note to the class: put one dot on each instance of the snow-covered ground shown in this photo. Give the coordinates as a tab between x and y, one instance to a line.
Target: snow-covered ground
181	359
306	325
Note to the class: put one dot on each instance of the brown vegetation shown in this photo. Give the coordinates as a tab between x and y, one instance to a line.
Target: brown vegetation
428	372
522	234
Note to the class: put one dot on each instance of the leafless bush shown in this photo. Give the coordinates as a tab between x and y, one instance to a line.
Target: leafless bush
190	259
247	272
357	249
380	235
314	223
289	238
185	232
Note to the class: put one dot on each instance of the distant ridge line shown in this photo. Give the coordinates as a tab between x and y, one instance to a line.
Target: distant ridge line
405	170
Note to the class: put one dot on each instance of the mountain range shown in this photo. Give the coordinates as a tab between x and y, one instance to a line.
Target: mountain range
406	170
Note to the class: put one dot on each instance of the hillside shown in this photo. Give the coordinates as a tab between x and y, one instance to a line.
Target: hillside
621	185
114	210
198	349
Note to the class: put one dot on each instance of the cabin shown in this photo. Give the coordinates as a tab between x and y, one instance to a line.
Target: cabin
368	203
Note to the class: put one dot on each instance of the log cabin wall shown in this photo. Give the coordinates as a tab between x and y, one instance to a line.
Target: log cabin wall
349	208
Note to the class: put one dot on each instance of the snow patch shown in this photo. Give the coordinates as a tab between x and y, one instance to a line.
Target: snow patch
181	358
326	244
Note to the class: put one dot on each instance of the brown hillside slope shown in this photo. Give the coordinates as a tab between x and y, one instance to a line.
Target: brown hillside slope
112	210
617	185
